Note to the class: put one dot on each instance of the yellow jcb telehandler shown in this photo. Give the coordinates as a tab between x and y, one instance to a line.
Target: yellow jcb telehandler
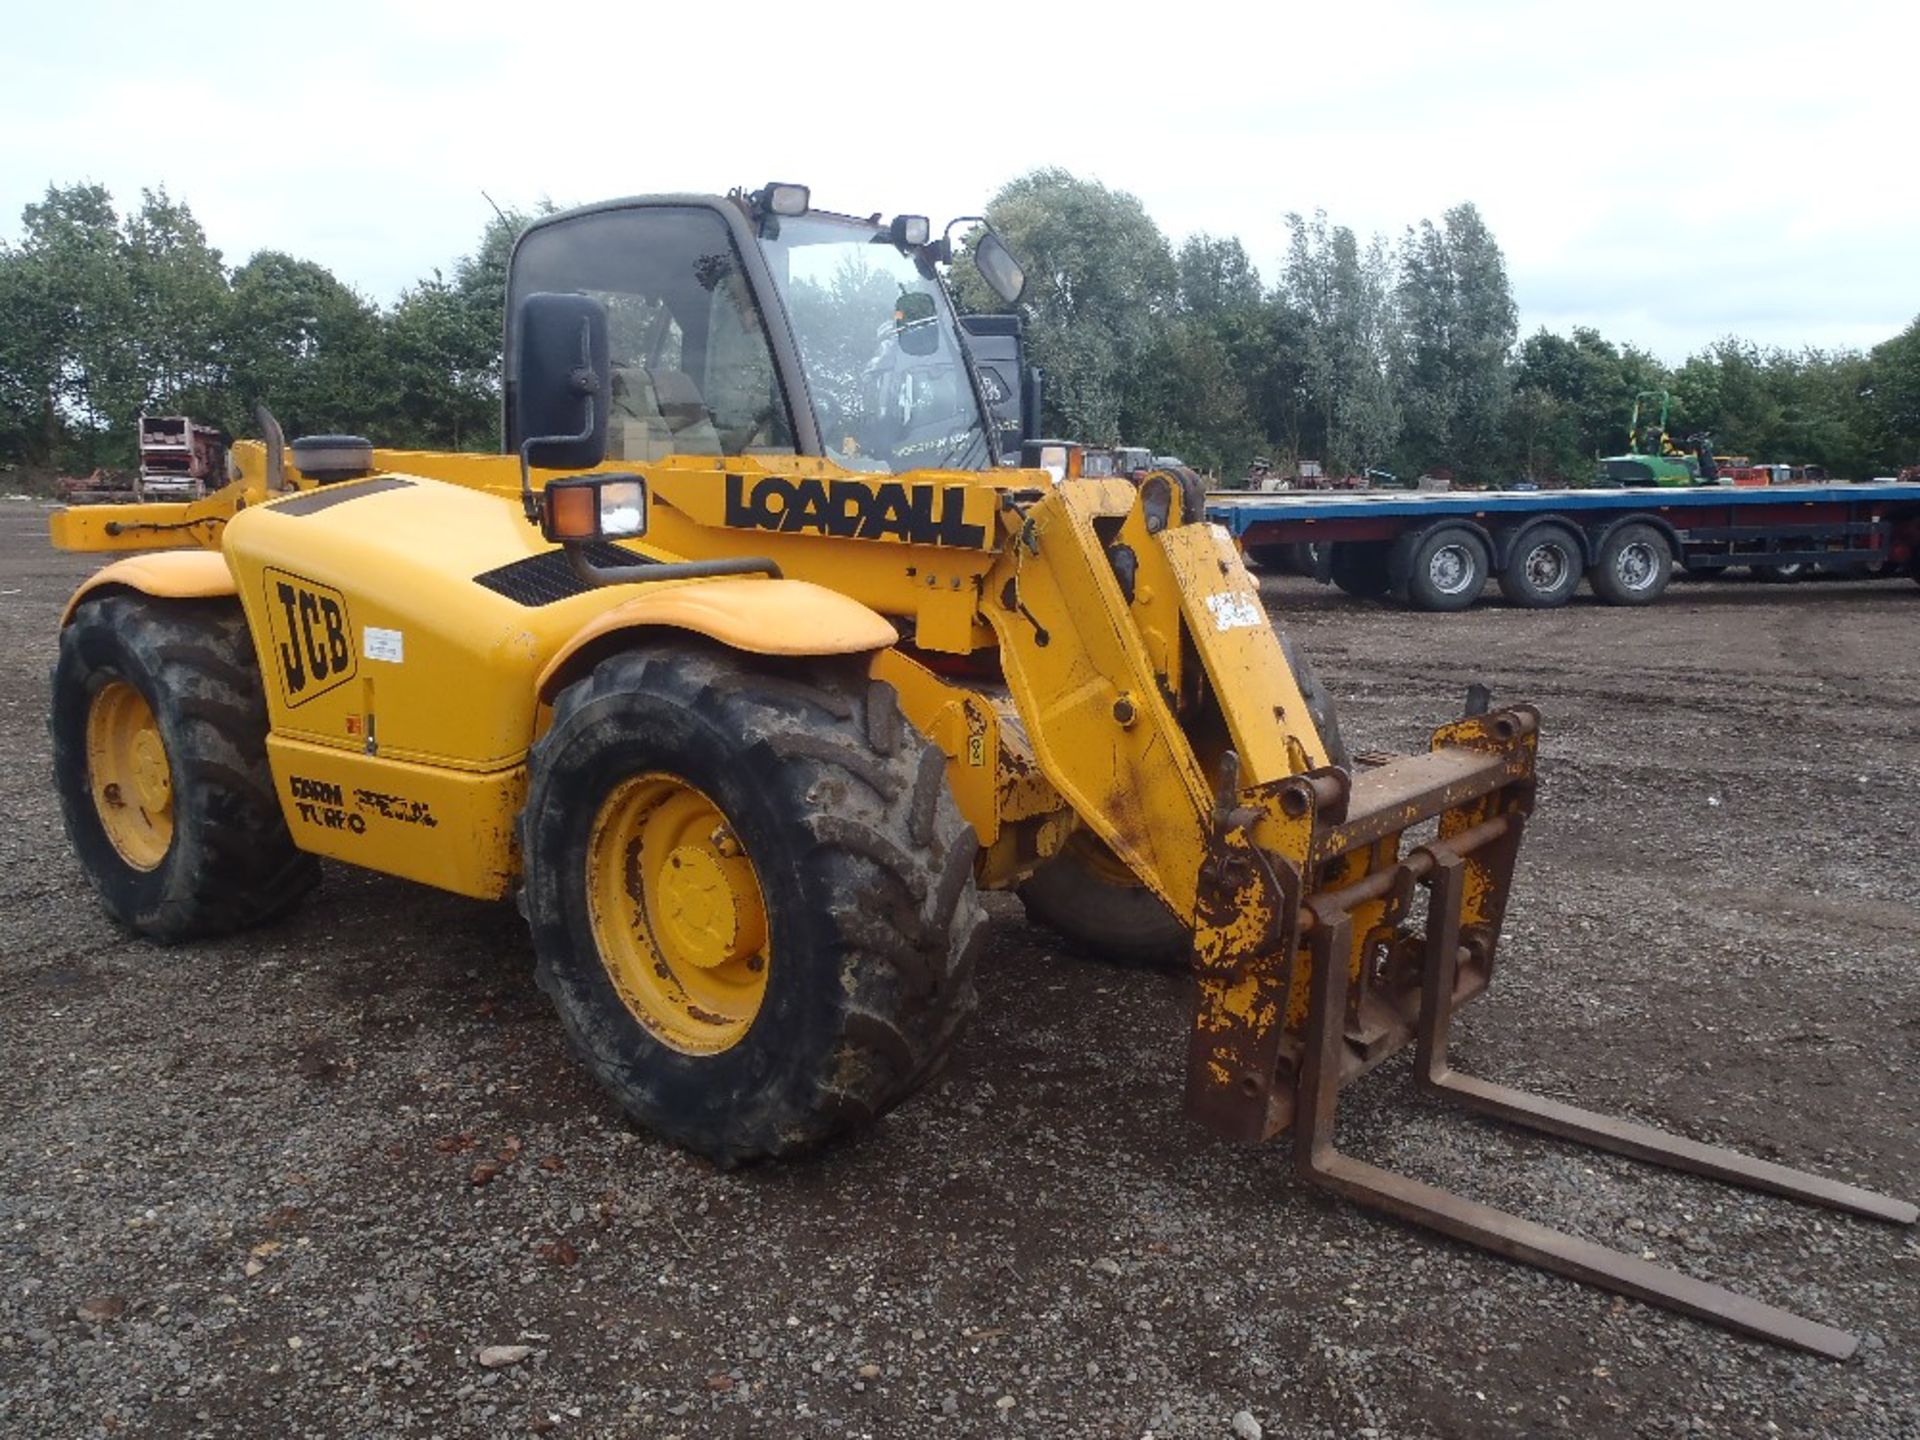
747	668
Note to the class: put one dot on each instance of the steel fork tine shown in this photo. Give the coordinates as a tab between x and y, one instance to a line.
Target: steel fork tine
1604	1132
1317	1158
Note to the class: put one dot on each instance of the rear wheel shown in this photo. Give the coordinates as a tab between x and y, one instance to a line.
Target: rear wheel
1633	566
1782	574
751	895
1543	569
159	729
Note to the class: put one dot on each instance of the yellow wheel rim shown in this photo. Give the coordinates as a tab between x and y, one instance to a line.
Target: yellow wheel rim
128	771
677	914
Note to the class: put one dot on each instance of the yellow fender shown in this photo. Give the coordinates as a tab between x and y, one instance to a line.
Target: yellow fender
764	617
170	574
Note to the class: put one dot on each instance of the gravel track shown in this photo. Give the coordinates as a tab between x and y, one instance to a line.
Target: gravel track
237	1180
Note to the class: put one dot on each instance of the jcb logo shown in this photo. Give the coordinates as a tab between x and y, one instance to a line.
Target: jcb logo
312	636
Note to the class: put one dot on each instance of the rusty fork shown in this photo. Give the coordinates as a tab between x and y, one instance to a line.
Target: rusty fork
1439	866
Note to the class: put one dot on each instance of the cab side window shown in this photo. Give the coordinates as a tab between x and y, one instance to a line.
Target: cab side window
693	373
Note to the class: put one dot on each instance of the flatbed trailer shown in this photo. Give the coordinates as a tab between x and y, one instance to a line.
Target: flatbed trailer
1437	550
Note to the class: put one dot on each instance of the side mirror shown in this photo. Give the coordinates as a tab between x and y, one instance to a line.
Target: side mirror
562	381
998	267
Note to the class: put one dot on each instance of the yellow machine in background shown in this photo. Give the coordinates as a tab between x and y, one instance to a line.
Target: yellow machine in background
749	668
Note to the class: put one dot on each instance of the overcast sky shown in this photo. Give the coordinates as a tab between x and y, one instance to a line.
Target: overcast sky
1670	174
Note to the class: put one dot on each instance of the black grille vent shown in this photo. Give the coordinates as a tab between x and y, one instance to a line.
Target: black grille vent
544	579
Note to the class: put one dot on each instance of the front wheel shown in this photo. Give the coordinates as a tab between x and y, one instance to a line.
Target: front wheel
159	729
1087	896
752	897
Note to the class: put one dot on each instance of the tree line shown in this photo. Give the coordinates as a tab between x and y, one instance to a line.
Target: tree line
1399	354
104	315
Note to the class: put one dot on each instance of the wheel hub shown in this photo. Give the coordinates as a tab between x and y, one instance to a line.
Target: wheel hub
1635	566
151	777
1450	569
129	775
677	914
702	899
1546	567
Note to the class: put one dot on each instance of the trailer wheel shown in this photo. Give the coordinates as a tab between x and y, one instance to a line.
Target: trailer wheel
1443	569
751	895
1633	566
1360	568
1543	569
159	729
1307	558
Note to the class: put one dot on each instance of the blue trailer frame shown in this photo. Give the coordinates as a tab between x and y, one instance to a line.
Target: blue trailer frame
1436	550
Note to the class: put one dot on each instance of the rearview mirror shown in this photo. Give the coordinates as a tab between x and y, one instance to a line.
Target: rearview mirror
998	267
561	381
914	322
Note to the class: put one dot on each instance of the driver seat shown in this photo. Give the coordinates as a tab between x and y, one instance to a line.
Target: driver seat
685	413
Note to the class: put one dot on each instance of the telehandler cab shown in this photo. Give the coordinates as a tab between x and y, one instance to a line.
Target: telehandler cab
747	668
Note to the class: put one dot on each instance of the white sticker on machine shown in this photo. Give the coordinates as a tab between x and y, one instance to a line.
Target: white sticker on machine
388	645
1234	611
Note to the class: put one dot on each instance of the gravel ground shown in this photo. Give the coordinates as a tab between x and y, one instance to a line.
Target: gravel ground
293	1183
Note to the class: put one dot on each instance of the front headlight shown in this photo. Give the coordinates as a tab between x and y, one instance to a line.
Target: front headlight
594	507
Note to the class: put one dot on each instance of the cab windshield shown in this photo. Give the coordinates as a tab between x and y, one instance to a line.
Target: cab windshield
880	347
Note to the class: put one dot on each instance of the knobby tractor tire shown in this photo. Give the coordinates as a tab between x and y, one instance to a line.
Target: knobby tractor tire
1326	716
861	865
214	855
1086	896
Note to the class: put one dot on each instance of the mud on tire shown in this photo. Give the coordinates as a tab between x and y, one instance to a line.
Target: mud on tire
231	862
864	864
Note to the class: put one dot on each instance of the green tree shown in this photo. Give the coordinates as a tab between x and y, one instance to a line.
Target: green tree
1343	296
304	345
1100	288
442	344
1892	397
180	296
1457	325
1595	380
77	282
